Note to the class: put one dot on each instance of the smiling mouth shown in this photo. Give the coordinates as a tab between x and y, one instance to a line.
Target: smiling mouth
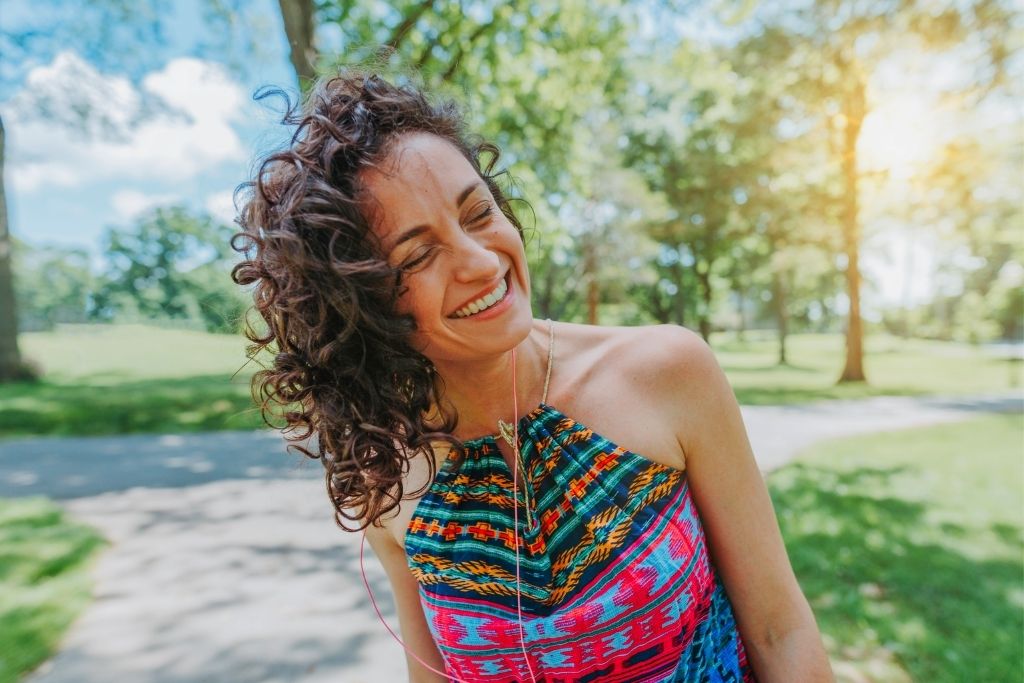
485	302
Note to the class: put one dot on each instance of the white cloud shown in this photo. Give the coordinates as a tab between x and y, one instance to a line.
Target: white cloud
221	206
72	125
129	204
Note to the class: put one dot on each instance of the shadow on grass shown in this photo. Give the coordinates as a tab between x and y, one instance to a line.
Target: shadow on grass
773	368
190	404
875	578
782	395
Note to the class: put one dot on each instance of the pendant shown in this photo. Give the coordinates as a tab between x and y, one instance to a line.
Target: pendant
507	432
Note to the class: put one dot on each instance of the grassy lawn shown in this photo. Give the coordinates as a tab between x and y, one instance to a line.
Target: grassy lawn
44	582
909	546
135	378
131	378
893	366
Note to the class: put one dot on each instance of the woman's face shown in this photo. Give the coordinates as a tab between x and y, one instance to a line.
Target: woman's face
465	275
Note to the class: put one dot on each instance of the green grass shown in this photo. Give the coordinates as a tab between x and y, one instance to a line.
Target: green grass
135	378
909	547
893	367
130	378
44	581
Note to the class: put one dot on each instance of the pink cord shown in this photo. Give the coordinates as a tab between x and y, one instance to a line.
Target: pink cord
515	523
373	601
515	516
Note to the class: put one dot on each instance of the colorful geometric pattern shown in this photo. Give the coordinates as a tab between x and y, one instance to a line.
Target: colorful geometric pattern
616	580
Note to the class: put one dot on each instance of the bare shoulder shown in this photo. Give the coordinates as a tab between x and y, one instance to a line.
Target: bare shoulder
662	354
415	481
638	385
661	349
688	386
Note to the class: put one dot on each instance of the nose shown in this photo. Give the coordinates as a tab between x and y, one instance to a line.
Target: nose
474	261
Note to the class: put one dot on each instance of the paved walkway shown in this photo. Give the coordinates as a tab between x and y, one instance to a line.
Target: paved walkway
225	566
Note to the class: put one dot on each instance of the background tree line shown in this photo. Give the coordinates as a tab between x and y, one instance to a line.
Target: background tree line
715	183
170	265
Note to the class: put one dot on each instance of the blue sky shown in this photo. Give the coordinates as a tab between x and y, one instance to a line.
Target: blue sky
64	186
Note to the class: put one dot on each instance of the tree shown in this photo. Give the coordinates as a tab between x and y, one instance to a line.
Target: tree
841	45
968	197
688	144
171	265
54	285
12	367
18	47
782	203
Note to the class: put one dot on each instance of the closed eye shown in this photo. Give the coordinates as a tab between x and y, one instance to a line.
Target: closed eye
424	254
427	252
483	214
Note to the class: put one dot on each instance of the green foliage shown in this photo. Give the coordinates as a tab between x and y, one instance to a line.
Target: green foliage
52	285
44	581
221	305
535	81
909	545
706	137
161	266
172	265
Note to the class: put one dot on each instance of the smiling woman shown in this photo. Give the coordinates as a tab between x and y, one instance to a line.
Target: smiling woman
390	272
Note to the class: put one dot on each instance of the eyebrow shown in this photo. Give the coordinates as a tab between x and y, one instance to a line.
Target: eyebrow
415	232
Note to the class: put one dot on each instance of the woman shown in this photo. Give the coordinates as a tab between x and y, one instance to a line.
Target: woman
532	488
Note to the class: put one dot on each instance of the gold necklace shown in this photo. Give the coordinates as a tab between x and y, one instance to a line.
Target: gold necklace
508	430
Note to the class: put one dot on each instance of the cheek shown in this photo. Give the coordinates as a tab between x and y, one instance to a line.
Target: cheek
421	299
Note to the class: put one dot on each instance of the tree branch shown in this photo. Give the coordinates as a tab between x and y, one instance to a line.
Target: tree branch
407	23
299	28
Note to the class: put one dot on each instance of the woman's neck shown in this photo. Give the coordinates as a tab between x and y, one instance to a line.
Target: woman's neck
481	391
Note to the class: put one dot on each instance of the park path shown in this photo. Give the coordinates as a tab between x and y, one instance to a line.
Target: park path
225	566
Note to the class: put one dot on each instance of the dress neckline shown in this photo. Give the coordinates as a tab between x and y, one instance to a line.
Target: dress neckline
487	447
524	420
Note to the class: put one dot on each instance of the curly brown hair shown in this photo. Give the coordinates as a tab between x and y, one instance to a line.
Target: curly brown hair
344	371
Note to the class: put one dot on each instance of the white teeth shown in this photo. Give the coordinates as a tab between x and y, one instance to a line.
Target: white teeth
483	302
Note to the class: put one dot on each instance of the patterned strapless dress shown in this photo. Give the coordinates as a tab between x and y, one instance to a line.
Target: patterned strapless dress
615	579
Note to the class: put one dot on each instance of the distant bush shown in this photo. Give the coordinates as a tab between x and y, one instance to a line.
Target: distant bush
171	265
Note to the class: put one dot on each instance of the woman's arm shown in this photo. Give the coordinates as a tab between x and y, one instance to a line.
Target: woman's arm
775	621
412	624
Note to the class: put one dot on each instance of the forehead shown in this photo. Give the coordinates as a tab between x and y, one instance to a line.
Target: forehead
420	174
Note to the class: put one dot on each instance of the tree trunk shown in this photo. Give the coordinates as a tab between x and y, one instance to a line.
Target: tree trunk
545	295
300	29
11	366
679	300
590	277
781	314
853	371
741	316
704	314
908	275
